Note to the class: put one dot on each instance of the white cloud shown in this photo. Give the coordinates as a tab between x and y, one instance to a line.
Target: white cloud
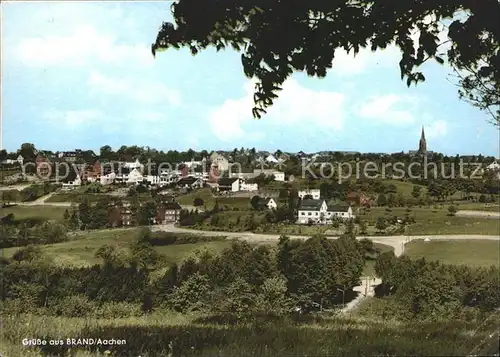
142	91
73	118
295	105
388	109
83	46
436	129
346	64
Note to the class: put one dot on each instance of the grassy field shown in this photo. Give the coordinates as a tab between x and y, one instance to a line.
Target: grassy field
238	202
198	335
468	252
74	197
34	212
80	251
404	187
205	194
431	221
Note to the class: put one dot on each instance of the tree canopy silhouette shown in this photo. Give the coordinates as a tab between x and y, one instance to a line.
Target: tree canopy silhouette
277	38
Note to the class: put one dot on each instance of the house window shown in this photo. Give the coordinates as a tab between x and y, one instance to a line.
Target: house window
315	213
308	213
302	213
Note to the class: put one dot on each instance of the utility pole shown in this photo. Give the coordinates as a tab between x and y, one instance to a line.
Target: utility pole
343	295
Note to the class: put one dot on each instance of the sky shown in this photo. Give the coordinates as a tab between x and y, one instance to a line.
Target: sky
81	75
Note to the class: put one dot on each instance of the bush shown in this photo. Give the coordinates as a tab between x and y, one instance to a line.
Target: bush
192	295
29	253
117	310
198	202
452	210
169	238
73	306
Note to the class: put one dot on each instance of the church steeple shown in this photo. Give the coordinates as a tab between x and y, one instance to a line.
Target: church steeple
422	147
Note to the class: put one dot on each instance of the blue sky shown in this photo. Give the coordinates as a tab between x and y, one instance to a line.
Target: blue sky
81	75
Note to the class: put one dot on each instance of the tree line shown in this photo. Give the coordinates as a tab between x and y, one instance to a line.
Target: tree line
430	289
242	279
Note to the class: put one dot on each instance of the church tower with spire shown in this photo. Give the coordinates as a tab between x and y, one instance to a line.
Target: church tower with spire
422	146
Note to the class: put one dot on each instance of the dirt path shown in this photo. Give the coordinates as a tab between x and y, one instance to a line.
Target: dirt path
479	214
18	187
365	290
42	201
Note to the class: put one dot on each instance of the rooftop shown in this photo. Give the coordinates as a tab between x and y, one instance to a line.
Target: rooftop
310	205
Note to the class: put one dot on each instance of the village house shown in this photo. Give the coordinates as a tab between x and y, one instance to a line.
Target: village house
219	161
129	176
339	212
107	179
494	166
9	162
70	185
68	156
120	215
168	212
278	175
133	165
92	173
161	180
228	185
268	203
315	194
190	182
271	159
43	166
135	177
235	185
193	164
126	216
213	175
312	211
19	160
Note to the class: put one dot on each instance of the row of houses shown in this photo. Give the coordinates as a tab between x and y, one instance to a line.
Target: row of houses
309	212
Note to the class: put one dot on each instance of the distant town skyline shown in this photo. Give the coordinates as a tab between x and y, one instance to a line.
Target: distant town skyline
81	75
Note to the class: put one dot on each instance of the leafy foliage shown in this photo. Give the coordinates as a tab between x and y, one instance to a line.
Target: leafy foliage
279	38
431	289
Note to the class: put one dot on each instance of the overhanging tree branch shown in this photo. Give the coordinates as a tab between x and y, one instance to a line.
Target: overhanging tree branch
278	38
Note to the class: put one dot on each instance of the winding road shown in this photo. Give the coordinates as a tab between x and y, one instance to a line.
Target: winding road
397	242
478	214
